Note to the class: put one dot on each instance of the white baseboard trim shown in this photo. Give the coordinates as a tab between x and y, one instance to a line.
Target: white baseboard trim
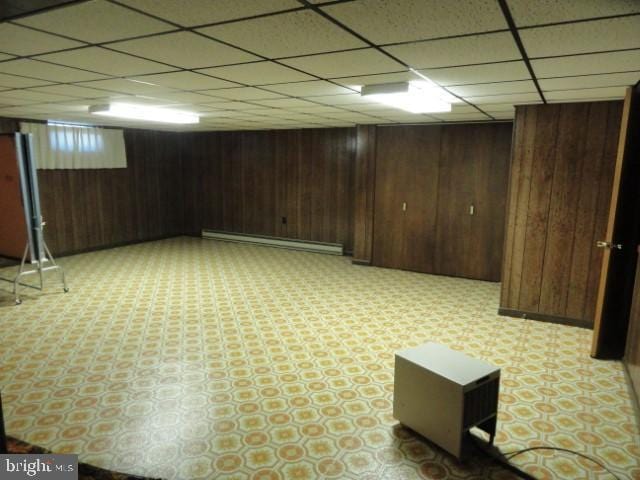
278	242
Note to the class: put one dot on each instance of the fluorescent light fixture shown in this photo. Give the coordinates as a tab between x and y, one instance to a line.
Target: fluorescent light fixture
414	96
143	112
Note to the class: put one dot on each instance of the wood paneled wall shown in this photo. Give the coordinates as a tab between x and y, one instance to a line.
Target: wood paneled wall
560	185
365	177
632	353
254	182
95	208
427	178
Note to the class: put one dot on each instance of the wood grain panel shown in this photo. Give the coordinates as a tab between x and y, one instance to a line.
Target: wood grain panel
250	181
364	194
96	208
440	171
632	353
561	173
419	186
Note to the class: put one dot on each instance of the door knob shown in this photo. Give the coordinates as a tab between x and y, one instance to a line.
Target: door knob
612	246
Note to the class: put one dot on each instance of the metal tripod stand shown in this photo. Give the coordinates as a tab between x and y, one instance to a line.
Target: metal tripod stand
39	269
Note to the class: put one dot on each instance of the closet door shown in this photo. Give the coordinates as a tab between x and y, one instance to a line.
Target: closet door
490	180
388	226
455	197
420	192
471	200
405	199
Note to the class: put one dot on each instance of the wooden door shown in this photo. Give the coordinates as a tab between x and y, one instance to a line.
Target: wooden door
388	227
615	290
490	181
419	190
13	229
474	167
455	197
405	199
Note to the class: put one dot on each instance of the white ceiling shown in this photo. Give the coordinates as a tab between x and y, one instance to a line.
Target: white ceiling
261	64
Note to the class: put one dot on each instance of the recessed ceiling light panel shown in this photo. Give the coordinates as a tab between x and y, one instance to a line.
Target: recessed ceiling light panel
143	112
414	96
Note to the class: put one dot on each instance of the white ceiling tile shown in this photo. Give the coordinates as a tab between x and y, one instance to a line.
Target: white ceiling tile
523	86
587	64
184	49
258	73
47	71
526	12
584	37
201	12
125	86
289	34
354	117
284	103
186	97
460	117
138	99
353	98
231	105
490	72
494	47
407	20
587	94
345	64
498	107
105	61
185	81
242	93
504	115
316	109
71	91
95	21
308	89
24	97
12	81
24	41
356	83
590	81
515	98
405	117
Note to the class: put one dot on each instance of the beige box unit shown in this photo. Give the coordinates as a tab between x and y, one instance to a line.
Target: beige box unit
441	394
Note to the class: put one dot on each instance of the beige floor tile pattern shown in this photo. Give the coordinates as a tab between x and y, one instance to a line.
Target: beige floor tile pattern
189	358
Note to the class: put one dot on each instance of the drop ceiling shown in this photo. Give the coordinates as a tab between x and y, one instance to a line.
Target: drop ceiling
264	64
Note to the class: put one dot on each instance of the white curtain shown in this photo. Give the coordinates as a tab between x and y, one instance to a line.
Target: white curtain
71	146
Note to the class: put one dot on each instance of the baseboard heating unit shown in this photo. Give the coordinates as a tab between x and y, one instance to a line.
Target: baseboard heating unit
278	242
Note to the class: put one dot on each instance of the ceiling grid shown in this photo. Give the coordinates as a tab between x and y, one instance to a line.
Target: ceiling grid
261	64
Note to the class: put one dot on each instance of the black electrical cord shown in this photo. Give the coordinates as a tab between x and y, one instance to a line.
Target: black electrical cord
510	455
496	455
504	458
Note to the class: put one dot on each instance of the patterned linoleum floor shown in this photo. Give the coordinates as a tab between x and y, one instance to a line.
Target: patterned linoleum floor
189	358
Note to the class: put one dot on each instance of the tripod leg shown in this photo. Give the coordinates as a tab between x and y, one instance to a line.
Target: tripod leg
16	282
53	262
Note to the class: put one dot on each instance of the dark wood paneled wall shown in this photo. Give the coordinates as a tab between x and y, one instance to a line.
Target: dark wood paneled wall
96	208
559	191
365	177
288	183
632	353
427	178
